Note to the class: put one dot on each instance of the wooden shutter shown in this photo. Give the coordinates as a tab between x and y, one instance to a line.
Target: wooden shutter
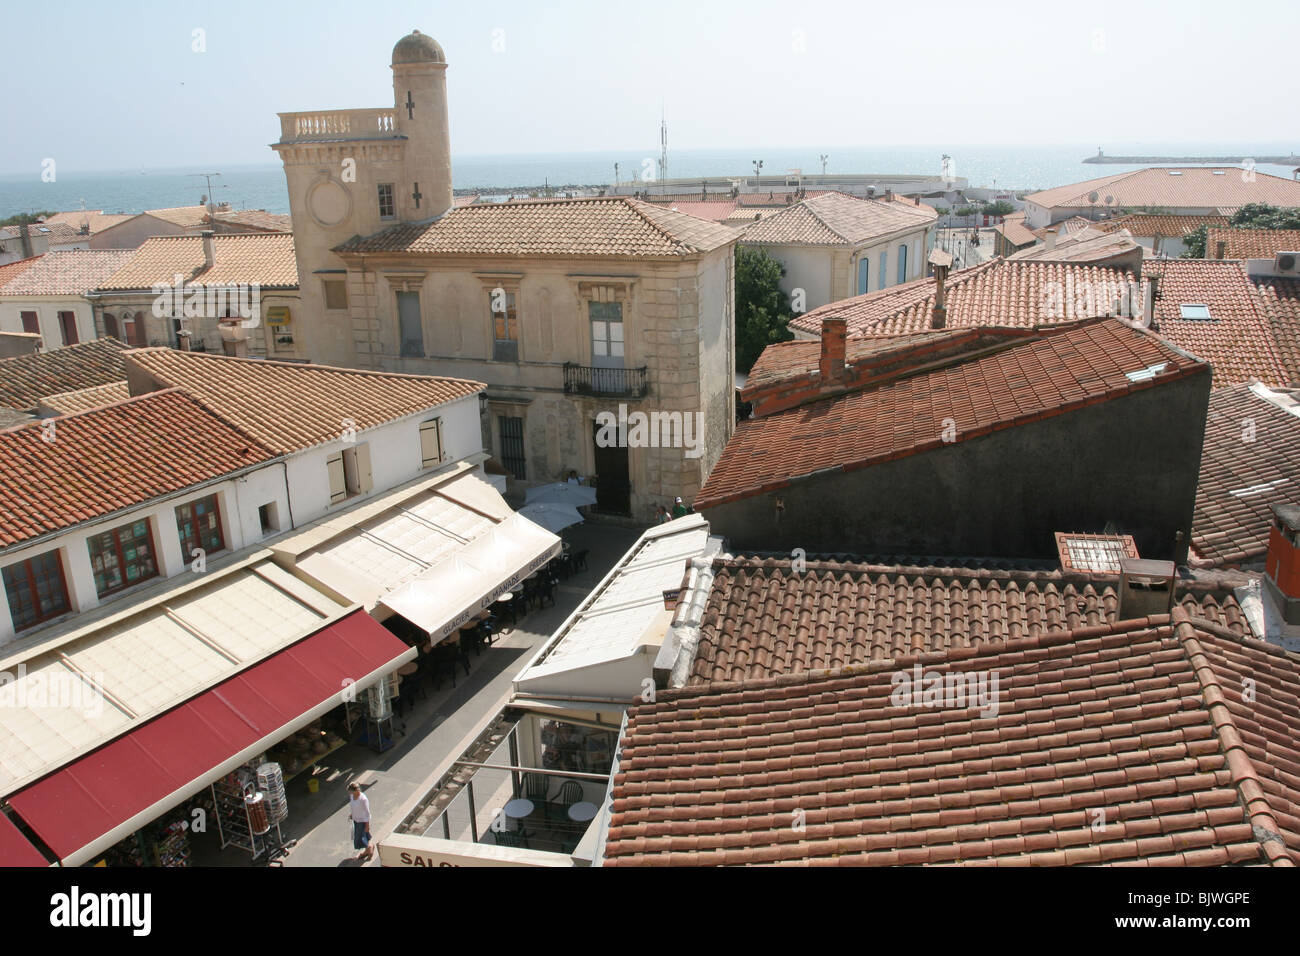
431	443
338	481
364	480
31	324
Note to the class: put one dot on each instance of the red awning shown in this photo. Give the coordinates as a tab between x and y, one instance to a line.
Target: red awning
176	754
14	848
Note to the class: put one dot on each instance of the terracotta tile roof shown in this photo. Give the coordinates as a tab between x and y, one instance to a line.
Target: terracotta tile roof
1142	721
1168	226
1280	300
1016	232
258	219
1185	188
1058	370
786	360
1085	245
70	272
267	260
12	270
714	210
56	233
611	226
84	399
1250	460
289	406
112	458
762	619
26	379
95	219
836	219
189	216
1003	292
1250	243
464	200
1238	340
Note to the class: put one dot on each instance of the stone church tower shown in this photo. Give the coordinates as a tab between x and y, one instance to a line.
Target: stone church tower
355	173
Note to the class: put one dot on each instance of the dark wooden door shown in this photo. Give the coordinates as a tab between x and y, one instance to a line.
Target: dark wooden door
613	477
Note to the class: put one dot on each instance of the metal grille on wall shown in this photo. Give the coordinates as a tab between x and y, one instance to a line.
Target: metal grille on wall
512	445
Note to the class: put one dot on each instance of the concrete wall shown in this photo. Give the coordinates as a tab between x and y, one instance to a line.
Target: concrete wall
395	456
1132	461
131	233
47	309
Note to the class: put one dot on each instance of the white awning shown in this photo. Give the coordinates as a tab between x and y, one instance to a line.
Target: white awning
457	588
436	554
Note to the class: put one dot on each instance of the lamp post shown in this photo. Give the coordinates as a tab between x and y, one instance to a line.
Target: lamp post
758	168
824	157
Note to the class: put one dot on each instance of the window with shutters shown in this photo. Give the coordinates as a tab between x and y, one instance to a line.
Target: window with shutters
431	443
337	478
505	326
36	589
357	476
31	324
512	445
68	325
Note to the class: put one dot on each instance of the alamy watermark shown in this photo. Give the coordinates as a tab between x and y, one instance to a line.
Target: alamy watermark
58	689
651	430
179	299
955	690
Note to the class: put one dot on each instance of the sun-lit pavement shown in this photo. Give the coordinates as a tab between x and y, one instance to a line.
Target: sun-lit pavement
436	728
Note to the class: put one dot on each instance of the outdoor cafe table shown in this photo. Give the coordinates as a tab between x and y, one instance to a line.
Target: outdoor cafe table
582	811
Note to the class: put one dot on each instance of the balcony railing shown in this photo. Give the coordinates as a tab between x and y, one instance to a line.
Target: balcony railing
617	382
337	125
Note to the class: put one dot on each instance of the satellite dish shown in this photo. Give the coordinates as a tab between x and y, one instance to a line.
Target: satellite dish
1092	196
1110	200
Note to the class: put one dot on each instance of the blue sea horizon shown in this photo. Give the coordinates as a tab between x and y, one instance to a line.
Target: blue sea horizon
262	185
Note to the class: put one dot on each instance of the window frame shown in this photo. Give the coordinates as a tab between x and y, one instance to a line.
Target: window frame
119	553
188	546
67	320
33	591
391	199
325	294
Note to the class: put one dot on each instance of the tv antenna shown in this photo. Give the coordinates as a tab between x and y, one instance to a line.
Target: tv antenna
208	177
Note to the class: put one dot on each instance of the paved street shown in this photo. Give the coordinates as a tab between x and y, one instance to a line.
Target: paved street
436	728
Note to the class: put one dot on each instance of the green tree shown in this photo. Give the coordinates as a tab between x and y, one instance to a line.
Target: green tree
763	311
25	217
999	208
1255	215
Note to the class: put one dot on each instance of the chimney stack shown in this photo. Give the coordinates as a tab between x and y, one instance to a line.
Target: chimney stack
941	262
1282	563
25	239
209	256
1219	248
1146	588
183	340
889	195
1149	303
834	332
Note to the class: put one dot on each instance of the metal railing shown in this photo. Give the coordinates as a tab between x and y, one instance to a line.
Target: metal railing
619	382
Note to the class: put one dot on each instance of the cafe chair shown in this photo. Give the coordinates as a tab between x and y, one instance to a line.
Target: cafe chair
579	559
536	787
512	838
570	793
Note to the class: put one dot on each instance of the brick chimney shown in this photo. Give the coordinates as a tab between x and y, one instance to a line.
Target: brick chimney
834	332
1282	563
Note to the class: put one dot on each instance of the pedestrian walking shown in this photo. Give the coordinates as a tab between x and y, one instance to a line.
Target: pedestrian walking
359	814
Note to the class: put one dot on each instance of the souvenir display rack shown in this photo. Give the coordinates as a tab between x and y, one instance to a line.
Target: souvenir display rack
234	823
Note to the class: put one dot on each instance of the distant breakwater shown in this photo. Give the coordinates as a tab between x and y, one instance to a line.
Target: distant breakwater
1194	160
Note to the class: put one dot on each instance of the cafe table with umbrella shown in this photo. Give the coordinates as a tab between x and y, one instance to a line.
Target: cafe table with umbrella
551	516
561	493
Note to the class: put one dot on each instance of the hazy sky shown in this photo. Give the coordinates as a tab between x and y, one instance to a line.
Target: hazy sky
116	85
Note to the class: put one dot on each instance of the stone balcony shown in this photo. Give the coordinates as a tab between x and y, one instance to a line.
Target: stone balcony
338	126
